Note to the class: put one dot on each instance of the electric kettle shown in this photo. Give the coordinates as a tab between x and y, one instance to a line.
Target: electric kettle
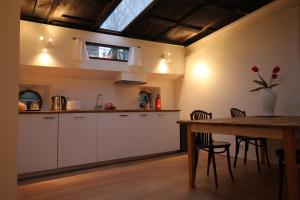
59	103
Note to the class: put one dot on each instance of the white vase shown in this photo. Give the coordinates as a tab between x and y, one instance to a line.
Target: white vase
268	101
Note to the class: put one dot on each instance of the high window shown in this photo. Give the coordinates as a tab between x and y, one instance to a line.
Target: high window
125	13
107	52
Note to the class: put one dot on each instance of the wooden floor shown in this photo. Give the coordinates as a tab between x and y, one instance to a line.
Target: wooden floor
155	179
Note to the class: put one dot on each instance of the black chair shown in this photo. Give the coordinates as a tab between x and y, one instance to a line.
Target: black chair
249	140
280	155
205	142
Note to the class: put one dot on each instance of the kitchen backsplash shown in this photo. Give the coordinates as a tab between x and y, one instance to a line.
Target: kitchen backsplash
86	90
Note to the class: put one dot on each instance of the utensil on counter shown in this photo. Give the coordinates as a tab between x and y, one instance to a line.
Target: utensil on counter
59	103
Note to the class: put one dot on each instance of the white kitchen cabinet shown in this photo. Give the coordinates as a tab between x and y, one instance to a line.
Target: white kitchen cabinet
154	132
77	140
143	140
113	136
167	131
37	142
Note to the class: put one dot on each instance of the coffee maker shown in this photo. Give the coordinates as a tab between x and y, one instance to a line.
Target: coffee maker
59	103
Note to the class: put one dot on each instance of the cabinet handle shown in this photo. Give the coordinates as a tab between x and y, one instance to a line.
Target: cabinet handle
78	117
143	115
49	117
161	115
123	115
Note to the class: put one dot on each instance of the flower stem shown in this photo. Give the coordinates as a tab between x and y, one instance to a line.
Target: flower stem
271	81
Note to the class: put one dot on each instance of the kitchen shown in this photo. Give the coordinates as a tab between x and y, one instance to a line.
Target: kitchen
176	80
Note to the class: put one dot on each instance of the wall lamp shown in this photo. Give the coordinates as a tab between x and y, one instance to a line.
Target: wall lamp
166	57
46	43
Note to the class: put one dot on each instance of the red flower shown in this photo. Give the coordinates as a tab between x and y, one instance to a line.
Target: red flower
255	69
274	76
262	82
276	70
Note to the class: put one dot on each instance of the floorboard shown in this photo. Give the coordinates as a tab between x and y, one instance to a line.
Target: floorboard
155	179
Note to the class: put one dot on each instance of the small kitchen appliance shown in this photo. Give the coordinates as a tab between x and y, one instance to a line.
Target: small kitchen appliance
59	103
73	105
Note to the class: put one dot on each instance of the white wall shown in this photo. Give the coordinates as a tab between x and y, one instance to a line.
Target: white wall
60	54
265	38
85	85
9	61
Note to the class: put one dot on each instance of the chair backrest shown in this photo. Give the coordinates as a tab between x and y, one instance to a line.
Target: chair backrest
202	138
235	112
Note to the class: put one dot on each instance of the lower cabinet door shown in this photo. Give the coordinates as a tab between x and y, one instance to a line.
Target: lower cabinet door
166	130
143	139
77	140
37	142
113	136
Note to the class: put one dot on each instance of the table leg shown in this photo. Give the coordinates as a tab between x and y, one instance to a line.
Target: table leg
291	166
262	153
191	157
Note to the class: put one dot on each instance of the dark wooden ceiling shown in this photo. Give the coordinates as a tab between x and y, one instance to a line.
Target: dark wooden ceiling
179	22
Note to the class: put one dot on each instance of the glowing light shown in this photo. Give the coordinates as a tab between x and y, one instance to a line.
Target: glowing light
44	59
50	39
45	50
42	38
201	71
163	67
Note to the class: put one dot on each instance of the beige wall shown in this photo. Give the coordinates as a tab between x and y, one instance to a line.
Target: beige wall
266	38
85	85
9	61
60	74
60	54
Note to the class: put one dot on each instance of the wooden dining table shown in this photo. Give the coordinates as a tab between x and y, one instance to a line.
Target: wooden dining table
286	128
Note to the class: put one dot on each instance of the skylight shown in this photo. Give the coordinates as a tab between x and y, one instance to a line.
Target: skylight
125	12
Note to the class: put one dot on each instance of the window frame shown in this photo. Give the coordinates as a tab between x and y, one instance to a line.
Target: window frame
109	46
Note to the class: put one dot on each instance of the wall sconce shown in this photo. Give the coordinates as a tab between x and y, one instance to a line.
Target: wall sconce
46	43
166	58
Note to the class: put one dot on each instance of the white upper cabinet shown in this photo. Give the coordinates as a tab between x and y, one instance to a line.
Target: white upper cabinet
113	136
77	139
37	142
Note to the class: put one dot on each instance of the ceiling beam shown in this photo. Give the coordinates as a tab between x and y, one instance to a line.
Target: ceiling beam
77	18
32	19
104	14
178	23
70	25
35	3
52	10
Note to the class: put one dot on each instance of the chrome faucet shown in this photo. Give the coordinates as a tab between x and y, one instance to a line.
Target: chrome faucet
99	102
